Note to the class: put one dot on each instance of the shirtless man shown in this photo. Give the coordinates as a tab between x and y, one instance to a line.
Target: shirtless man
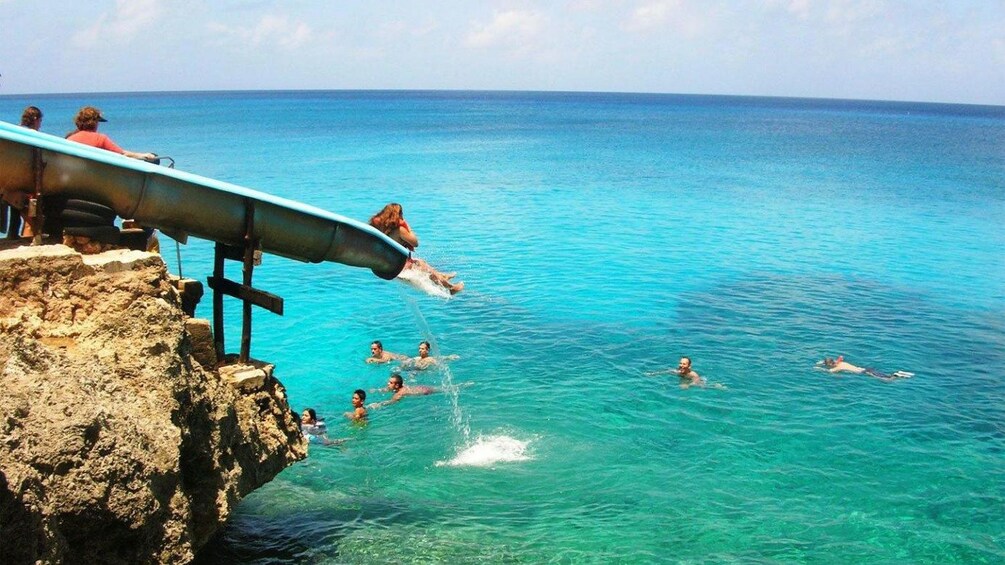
839	365
358	413
688	376
425	360
378	355
396	385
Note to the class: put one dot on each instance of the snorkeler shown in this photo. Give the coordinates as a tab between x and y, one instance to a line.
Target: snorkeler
424	360
839	365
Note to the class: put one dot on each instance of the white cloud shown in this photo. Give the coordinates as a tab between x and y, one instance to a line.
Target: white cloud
514	28
270	30
799	8
127	20
677	15
852	11
397	28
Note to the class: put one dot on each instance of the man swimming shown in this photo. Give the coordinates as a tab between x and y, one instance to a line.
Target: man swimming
424	359
358	413
839	365
378	355
396	385
688	376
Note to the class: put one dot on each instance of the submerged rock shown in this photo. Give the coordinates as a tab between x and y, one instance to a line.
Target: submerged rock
116	445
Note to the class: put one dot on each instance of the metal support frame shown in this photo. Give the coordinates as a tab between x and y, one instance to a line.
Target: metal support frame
250	296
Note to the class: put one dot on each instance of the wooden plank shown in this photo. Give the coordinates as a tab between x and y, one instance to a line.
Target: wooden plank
218	266
267	300
249	267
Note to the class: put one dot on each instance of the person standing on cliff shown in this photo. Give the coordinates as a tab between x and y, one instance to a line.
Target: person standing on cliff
31	118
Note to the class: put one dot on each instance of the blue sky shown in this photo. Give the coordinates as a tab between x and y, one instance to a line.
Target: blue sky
951	51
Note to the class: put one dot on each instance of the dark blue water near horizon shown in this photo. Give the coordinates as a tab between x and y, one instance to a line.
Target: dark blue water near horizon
603	236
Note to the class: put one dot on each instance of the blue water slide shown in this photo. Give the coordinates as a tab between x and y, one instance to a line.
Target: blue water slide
183	204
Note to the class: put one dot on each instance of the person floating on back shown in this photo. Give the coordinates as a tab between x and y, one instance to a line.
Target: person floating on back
391	221
839	365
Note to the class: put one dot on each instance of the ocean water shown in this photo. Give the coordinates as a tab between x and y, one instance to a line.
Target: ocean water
602	236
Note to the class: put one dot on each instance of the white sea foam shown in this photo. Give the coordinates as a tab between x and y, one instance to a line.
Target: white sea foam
487	451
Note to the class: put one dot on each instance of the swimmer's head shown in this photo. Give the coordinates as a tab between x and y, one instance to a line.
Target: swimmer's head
395	382
423	348
376	347
309	416
685	362
358	397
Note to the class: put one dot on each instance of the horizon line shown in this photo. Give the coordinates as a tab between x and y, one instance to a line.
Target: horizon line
494	91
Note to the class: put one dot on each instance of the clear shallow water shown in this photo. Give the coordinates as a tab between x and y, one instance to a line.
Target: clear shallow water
603	236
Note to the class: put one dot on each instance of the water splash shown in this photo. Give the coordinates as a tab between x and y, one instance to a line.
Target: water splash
484	451
420	281
487	451
458	419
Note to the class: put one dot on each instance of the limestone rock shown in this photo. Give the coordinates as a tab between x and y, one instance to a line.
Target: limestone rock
118	442
247	376
200	335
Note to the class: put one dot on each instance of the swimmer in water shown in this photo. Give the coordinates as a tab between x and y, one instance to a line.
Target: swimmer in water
358	413
378	355
839	365
688	376
396	385
313	429
425	360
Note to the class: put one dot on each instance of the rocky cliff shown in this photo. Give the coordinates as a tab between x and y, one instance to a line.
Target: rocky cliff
119	440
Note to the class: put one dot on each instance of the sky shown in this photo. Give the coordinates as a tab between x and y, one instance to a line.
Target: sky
913	50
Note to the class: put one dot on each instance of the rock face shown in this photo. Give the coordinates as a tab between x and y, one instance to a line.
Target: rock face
116	445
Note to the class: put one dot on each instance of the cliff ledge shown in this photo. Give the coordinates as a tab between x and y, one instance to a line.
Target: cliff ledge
116	444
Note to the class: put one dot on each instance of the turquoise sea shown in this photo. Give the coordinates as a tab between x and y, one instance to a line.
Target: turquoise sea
602	236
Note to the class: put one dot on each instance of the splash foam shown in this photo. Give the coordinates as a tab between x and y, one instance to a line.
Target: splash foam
487	451
420	280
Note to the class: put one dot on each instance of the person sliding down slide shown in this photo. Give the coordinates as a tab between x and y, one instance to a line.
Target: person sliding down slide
391	221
